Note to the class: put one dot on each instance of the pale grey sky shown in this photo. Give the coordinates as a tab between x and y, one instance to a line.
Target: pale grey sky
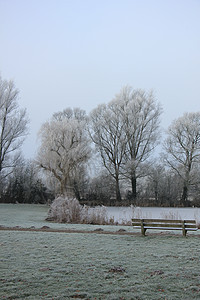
80	53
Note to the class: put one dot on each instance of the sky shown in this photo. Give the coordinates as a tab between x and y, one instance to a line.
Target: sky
80	53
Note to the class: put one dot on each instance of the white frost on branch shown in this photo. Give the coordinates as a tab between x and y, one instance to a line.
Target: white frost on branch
65	147
13	127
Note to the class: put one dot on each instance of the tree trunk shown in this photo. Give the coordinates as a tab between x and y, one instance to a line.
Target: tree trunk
134	186
76	191
184	195
156	192
118	194
63	187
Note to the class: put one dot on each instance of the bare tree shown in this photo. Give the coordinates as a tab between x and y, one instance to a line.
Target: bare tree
125	132
13	127
182	150
65	148
140	114
108	135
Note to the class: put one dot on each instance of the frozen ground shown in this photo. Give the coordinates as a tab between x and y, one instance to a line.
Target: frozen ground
46	265
37	265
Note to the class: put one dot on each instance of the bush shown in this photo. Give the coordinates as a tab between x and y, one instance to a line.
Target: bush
69	210
95	215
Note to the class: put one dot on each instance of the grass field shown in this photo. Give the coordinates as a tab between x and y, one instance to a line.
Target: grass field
45	265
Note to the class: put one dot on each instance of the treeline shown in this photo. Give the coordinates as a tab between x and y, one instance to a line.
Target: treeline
108	157
160	187
24	185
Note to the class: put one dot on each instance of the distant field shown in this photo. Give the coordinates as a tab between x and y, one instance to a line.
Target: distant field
44	265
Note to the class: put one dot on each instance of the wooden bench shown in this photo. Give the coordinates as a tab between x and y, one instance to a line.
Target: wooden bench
164	224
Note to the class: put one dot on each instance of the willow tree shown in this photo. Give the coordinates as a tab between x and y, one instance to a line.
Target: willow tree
182	150
65	148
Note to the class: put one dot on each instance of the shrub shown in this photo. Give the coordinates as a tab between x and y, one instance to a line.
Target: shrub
96	215
69	210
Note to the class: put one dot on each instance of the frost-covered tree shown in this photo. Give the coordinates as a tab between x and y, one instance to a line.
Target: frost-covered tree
101	188
182	150
108	135
65	147
125	132
24	185
13	127
140	115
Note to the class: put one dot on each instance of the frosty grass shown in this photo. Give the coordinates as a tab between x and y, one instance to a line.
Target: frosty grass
44	265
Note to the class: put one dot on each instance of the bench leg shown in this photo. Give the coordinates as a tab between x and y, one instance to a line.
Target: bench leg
184	232
183	229
143	230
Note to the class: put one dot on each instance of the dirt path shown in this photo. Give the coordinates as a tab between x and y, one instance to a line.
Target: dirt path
48	229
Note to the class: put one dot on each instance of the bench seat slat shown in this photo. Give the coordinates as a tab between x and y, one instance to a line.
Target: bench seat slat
170	228
167	225
166	228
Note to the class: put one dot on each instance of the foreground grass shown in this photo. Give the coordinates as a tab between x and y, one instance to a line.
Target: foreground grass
43	265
